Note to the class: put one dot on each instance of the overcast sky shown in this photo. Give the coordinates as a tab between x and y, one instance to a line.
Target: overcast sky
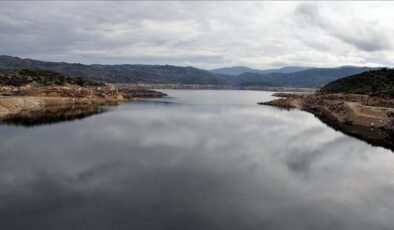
201	34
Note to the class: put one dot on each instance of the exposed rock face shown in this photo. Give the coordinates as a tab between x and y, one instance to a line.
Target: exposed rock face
366	117
44	83
96	95
13	105
33	101
31	93
106	92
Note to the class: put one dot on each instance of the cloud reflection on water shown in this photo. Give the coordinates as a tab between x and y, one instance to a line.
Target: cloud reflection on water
193	166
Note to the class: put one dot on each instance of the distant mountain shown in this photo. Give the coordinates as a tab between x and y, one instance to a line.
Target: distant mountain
167	74
315	77
376	82
164	74
237	70
287	69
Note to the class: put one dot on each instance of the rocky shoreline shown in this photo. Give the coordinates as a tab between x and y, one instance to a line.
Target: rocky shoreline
35	101
365	117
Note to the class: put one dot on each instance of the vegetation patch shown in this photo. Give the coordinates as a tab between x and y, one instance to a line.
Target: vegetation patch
375	83
22	77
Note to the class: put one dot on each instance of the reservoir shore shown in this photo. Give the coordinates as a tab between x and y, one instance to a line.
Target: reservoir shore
366	117
33	100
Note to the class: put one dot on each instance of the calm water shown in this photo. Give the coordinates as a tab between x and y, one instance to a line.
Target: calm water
198	160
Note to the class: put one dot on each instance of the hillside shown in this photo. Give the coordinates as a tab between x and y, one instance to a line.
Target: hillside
167	74
117	73
361	105
377	82
235	71
238	70
42	77
315	77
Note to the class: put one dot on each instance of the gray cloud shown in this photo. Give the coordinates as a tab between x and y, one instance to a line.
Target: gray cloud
202	34
366	36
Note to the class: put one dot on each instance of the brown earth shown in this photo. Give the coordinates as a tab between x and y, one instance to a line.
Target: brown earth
365	117
27	100
13	105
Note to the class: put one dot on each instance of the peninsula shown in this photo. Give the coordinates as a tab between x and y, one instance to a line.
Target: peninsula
31	92
361	105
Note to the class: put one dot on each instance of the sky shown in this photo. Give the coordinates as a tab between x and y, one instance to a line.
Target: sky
201	34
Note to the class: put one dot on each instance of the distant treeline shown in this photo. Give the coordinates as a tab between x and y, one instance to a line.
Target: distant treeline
167	74
42	77
376	82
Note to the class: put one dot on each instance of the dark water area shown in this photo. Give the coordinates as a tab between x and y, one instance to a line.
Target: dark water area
373	136
196	160
53	115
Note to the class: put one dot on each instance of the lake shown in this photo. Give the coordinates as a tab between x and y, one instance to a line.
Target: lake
199	159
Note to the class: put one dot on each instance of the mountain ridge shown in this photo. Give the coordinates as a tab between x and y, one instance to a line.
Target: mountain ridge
237	70
169	74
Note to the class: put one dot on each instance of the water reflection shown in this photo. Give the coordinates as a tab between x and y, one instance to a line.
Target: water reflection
230	165
53	115
373	136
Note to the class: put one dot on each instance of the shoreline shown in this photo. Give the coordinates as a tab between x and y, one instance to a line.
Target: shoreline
14	105
213	87
367	118
34	103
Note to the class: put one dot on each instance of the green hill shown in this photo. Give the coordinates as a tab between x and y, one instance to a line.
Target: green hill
315	77
376	82
167	74
42	77
238	70
160	74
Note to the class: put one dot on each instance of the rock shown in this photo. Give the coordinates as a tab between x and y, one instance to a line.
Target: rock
352	114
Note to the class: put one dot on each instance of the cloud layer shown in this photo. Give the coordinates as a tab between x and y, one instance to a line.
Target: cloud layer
202	34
